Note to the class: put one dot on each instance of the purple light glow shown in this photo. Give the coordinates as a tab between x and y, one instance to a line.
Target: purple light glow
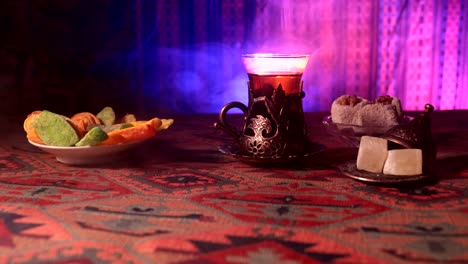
367	48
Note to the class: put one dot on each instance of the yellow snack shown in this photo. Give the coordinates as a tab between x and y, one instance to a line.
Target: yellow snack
128	118
166	123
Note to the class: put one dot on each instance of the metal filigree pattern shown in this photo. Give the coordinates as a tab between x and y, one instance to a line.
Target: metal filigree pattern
258	145
260	124
274	125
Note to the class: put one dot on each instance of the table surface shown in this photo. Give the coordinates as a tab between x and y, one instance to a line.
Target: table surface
177	199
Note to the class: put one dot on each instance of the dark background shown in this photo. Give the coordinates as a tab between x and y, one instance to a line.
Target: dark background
67	56
156	57
167	57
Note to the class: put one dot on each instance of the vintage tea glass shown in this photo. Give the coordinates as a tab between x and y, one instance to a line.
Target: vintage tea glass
274	125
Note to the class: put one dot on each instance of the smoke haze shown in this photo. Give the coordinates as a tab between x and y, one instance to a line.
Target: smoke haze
203	76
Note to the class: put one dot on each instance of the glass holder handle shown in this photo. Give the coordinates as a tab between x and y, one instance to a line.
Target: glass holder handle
222	122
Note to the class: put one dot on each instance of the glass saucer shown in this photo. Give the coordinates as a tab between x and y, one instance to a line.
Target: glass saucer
352	134
350	170
233	150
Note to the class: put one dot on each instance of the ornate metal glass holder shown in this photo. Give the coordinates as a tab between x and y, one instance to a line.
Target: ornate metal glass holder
274	126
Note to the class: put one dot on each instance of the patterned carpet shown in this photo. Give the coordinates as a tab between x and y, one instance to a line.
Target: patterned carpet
177	199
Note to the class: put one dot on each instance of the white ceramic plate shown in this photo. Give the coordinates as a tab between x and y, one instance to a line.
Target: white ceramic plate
89	155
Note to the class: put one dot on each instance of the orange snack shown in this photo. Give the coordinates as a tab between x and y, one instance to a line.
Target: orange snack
141	130
31	133
77	126
155	122
82	121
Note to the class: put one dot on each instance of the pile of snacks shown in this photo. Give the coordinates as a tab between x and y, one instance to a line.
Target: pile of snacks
86	129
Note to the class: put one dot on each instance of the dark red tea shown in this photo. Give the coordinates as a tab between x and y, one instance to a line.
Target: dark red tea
263	85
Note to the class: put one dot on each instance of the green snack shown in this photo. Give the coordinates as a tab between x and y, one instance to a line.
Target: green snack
93	137
108	129
93	126
54	129
123	126
107	116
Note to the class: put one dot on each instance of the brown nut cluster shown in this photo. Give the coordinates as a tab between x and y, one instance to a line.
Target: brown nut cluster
384	99
351	100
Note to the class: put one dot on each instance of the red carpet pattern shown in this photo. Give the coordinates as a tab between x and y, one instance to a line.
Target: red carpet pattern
177	199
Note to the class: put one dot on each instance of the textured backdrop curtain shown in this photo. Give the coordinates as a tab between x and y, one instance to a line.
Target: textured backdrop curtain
416	50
